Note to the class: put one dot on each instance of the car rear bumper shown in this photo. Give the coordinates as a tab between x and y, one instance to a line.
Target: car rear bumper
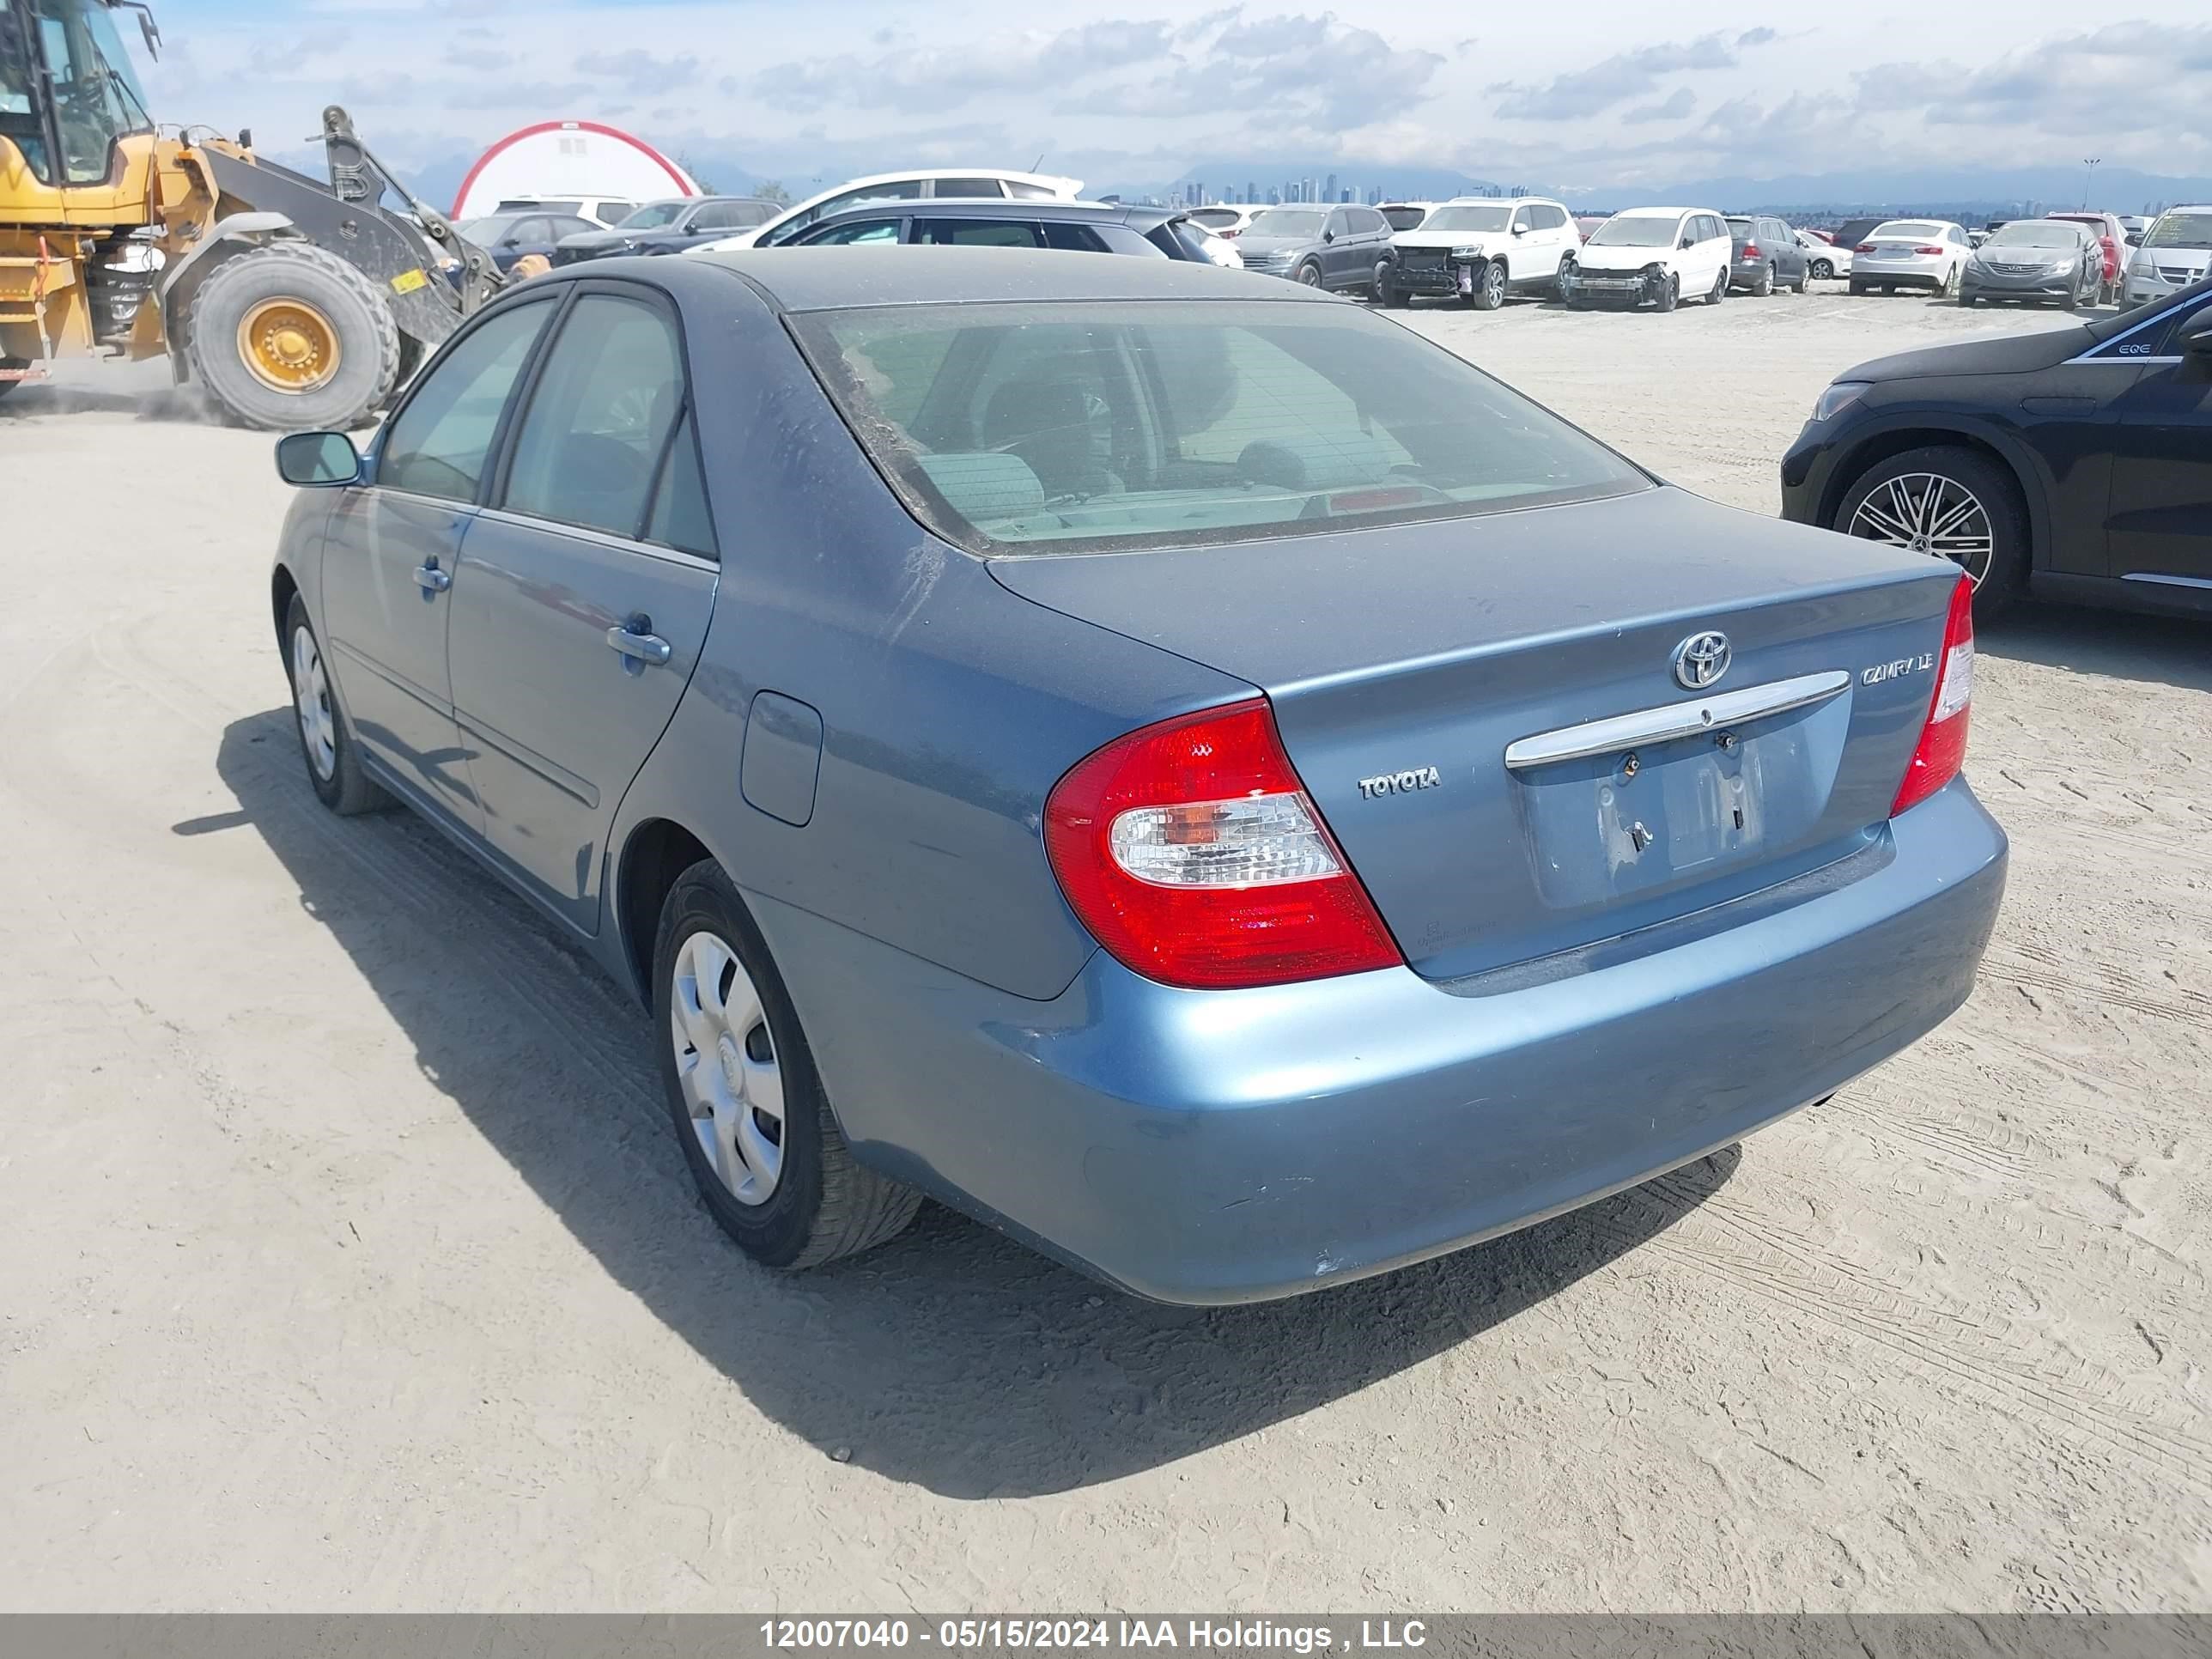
1215	1147
1903	276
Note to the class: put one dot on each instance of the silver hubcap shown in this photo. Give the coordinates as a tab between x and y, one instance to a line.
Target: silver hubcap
1494	283
726	1063
311	696
1309	276
1929	513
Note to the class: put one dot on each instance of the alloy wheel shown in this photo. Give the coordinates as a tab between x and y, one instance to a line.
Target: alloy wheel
310	697
1309	275
1927	513
725	1063
1493	286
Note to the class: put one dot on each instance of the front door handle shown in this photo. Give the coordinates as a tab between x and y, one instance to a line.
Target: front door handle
639	647
430	579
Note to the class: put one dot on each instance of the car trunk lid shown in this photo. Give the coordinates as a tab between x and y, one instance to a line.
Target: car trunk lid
1488	712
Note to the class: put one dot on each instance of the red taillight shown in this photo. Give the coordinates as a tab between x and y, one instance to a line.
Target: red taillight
1751	250
1928	248
1192	853
1863	247
1942	749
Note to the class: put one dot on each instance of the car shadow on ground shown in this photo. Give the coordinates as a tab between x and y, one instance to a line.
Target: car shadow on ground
951	1357
2173	651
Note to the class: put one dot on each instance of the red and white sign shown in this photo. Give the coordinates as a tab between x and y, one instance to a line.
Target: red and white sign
570	158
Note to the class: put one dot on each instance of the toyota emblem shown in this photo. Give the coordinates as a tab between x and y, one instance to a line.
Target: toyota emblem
1701	659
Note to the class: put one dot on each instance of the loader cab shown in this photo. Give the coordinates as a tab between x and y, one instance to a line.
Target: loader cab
67	91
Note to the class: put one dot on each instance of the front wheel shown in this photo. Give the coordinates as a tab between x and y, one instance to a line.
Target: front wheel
1670	292
1949	504
1386	290
1822	270
333	767
749	1108
1309	276
289	336
1489	287
1565	279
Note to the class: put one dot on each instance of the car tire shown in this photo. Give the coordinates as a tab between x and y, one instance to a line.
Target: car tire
2071	300
1821	271
1564	276
1857	287
1804	281
326	747
1763	285
347	321
1309	275
1720	287
814	1203
1670	294
1994	489
1489	287
1968	300
1950	283
1379	289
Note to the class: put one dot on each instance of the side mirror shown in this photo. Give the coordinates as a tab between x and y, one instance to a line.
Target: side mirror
1687	240
1329	236
1520	230
317	459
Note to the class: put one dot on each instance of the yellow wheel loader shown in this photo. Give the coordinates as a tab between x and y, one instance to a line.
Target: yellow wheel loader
290	302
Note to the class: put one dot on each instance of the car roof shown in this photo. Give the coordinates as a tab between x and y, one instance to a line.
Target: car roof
996	207
833	278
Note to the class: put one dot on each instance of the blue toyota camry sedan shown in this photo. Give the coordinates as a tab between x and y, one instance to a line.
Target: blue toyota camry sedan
1172	764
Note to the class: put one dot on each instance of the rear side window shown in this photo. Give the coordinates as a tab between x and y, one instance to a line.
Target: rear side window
439	443
1111	425
950	187
881	232
590	443
680	518
1073	238
1022	192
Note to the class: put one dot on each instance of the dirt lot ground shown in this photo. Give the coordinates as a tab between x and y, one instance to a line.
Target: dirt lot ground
346	1261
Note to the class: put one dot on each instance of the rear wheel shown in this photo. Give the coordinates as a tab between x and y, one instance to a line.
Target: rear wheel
1763	285
1949	504
1950	283
290	337
1720	287
748	1107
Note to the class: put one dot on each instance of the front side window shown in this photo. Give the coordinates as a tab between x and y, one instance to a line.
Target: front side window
1305	222
1073	237
439	443
979	232
590	444
882	233
1094	426
731	215
653	216
94	91
906	190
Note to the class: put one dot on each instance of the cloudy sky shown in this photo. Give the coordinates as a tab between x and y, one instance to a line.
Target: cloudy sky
1597	94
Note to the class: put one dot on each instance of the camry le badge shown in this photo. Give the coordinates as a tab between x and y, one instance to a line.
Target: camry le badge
1890	670
1701	659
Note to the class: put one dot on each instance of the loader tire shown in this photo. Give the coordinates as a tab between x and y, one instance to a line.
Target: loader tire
7	386
290	338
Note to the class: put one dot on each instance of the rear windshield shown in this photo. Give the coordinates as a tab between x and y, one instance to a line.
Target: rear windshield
1091	426
1214	218
1469	218
1407	217
2180	230
1910	227
2037	233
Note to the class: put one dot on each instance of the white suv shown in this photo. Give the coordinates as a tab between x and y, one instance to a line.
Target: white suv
966	183
1663	255
1482	248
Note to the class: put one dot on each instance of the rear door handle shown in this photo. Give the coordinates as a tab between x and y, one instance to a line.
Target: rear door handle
430	579
637	644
